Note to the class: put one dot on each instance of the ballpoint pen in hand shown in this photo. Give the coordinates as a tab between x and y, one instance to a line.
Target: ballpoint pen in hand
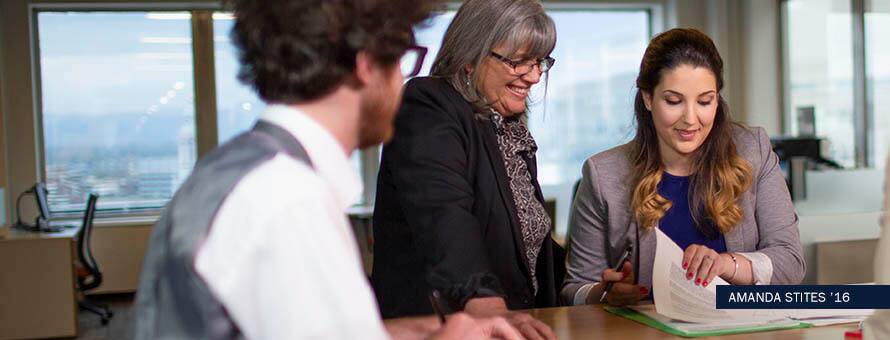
624	257
437	307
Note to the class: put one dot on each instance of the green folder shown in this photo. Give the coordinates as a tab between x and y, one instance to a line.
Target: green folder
648	321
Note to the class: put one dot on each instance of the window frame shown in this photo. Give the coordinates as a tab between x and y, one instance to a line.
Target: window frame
205	99
203	74
655	10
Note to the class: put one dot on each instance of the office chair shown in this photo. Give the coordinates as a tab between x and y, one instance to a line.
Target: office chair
88	275
569	231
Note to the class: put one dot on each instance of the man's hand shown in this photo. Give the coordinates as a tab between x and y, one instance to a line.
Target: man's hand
458	327
531	328
462	326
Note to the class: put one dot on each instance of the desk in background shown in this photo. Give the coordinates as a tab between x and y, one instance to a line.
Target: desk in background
37	289
592	322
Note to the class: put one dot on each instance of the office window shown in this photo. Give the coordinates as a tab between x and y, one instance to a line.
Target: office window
429	34
877	47
820	62
589	101
117	107
237	105
842	82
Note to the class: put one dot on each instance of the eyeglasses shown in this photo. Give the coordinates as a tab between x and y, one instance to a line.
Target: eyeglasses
412	61
522	67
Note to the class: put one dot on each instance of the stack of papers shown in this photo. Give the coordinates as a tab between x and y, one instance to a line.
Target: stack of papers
684	309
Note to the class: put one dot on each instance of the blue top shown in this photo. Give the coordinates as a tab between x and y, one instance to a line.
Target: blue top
677	223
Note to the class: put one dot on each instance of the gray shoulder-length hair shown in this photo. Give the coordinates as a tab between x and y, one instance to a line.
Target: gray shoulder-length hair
482	25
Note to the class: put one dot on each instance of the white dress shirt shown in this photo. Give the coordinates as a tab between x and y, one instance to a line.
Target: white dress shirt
878	325
281	256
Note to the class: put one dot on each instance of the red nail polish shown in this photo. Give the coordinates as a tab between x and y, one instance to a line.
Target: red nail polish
685	265
689	275
644	291
704	283
697	280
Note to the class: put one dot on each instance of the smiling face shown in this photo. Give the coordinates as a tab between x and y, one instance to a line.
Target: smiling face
683	106
502	87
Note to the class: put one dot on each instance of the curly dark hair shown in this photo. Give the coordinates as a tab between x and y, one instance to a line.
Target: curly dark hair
297	50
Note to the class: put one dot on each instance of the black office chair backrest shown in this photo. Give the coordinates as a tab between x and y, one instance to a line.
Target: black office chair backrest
84	252
569	229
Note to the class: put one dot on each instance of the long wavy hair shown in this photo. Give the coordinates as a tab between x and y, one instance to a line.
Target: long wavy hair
719	176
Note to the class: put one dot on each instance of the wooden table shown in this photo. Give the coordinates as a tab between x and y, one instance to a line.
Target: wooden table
37	294
592	322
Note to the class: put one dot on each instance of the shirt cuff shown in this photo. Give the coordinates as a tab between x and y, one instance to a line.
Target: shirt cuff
581	294
761	267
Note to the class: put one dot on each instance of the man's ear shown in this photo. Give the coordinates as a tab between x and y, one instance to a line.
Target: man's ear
364	68
647	100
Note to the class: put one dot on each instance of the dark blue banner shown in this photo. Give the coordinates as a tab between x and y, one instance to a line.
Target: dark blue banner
804	296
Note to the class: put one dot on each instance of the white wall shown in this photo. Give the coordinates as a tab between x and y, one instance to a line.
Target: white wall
840	206
816	229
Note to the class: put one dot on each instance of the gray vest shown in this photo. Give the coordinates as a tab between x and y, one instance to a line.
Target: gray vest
173	301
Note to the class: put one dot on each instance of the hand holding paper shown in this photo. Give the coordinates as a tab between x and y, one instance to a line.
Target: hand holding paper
678	298
702	263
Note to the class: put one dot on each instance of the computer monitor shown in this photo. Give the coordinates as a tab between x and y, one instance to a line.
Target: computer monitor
41	193
796	156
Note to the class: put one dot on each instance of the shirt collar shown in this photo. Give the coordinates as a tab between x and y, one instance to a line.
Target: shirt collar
326	154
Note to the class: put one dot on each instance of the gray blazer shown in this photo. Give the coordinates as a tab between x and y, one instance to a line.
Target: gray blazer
601	223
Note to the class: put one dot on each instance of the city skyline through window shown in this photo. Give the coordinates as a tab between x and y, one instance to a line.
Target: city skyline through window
117	107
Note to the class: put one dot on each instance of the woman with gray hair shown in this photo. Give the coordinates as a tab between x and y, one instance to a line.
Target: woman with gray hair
459	209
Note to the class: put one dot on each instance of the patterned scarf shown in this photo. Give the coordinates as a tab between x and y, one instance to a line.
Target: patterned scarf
517	144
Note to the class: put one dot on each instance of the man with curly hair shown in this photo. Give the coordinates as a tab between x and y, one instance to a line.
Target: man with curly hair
256	244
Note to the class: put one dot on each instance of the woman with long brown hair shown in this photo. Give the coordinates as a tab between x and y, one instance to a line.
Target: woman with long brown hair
712	185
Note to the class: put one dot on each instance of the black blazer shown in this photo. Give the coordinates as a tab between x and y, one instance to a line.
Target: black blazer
445	216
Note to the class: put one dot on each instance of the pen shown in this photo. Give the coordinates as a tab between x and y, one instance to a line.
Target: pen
434	301
624	257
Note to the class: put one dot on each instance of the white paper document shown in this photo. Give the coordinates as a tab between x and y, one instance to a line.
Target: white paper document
680	299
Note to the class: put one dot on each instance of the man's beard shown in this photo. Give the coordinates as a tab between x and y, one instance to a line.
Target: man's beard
376	120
